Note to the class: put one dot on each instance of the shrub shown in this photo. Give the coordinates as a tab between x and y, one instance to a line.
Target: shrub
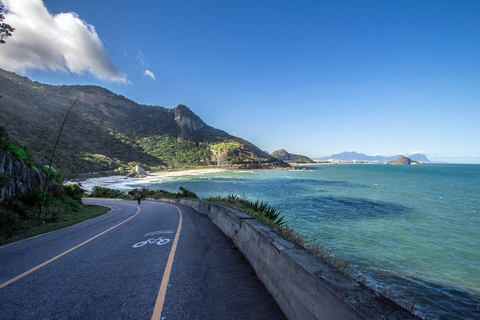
53	174
32	198
8	220
187	193
102	192
74	191
16	206
270	216
22	153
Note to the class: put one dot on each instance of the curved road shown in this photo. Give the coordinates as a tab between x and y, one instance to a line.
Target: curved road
153	261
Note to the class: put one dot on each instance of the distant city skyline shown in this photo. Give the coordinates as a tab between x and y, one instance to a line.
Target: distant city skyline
313	77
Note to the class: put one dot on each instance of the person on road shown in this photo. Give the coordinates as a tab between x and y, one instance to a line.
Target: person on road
139	196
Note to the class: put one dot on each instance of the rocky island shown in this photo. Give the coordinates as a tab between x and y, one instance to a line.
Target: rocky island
403	160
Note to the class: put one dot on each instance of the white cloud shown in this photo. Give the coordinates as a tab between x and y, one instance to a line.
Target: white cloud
143	60
150	74
60	42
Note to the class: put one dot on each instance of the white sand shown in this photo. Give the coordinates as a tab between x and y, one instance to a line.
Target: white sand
150	178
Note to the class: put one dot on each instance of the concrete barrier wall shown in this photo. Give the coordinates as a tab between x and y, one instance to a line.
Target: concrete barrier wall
304	285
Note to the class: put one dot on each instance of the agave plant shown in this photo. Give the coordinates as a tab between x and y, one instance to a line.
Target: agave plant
268	211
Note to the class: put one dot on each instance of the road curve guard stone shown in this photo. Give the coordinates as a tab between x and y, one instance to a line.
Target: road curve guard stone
304	285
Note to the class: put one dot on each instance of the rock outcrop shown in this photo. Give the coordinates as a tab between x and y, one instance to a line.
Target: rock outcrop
283	155
188	122
403	160
16	177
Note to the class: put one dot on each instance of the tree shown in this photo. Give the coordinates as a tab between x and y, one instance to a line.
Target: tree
5	29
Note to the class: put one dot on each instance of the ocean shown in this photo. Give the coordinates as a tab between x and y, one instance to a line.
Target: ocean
412	231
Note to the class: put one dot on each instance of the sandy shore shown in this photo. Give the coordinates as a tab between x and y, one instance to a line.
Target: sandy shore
88	184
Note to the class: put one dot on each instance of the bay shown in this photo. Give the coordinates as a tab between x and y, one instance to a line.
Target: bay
413	231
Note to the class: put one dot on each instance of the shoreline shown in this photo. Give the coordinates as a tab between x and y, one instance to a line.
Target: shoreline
89	183
153	176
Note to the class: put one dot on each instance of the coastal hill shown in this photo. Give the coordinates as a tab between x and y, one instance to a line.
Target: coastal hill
403	160
283	155
354	156
106	131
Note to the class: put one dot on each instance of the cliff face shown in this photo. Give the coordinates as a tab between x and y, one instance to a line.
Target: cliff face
16	177
188	122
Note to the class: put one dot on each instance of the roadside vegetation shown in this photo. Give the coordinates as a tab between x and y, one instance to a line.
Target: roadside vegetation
102	192
19	218
271	217
22	153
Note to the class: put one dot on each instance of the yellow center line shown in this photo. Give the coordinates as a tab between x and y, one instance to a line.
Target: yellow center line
157	311
64	253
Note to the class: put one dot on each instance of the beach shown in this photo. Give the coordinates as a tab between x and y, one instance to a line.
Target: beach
151	177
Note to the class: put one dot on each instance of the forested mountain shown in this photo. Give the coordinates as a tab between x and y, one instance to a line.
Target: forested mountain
105	131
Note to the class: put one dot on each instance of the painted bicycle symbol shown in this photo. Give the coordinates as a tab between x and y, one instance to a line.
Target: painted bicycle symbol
159	241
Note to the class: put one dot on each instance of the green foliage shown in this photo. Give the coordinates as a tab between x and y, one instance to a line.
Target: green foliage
228	146
261	210
54	175
102	192
28	228
22	153
187	194
8	221
5	29
74	191
176	152
270	216
18	215
32	198
268	211
19	208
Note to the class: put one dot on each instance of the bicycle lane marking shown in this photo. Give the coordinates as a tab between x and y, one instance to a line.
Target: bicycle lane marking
6	283
157	311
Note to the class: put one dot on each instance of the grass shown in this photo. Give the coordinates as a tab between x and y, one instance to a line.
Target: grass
33	228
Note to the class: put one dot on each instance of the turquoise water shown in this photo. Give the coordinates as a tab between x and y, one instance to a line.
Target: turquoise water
412	230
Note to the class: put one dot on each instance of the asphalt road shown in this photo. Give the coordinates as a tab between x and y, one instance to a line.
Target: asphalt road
153	261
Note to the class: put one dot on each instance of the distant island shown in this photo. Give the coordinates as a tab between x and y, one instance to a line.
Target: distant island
363	158
403	161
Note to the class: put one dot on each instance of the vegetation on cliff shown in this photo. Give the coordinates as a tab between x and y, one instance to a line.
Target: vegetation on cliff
283	155
106	132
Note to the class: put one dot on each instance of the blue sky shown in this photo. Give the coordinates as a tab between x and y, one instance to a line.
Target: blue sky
312	77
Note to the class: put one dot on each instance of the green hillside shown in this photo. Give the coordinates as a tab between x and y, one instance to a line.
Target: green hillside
106	132
283	155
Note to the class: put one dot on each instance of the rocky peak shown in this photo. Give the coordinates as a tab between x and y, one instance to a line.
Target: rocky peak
188	121
281	154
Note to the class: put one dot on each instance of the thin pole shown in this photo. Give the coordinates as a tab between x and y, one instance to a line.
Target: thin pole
53	155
